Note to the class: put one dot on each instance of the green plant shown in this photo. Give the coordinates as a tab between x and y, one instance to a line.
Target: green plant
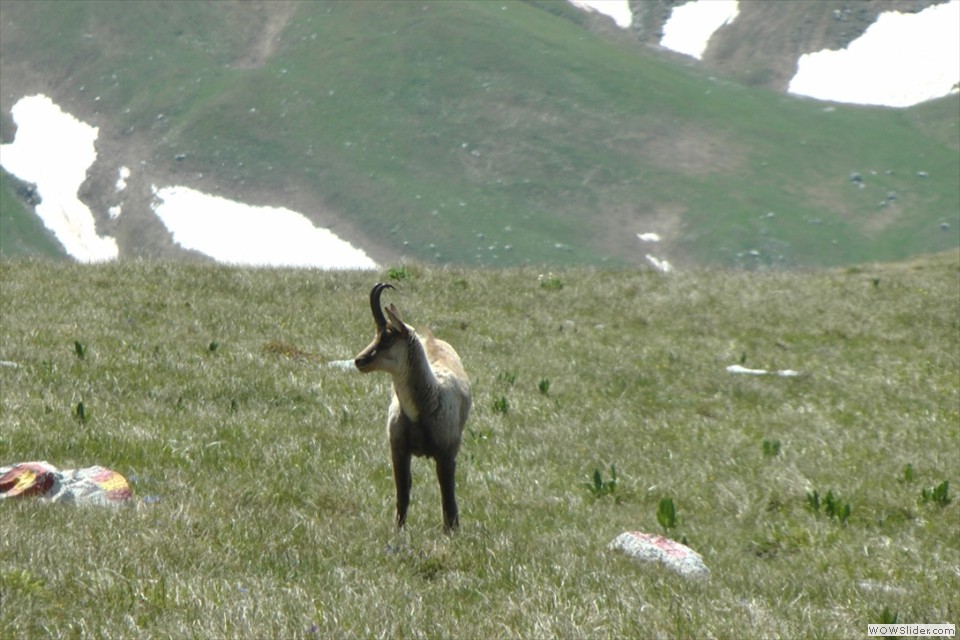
832	506
888	617
908	475
80	413
599	487
23	581
771	448
399	274
479	435
938	495
80	349
501	405
666	513
544	386
550	282
507	377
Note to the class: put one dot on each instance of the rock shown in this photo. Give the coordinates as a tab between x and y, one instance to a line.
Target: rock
93	485
650	547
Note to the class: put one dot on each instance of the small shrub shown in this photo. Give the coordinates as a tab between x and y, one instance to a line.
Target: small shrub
214	345
80	348
501	405
507	377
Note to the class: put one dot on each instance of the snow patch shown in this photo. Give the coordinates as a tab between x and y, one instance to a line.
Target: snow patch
619	10
54	150
660	265
899	61
690	26
783	373
238	233
122	176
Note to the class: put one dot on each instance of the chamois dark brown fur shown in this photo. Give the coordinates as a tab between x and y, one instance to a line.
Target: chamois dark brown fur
430	404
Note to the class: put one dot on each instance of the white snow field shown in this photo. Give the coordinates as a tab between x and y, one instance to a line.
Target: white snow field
53	150
901	60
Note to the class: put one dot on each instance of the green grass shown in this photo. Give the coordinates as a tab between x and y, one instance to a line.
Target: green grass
498	133
263	489
21	232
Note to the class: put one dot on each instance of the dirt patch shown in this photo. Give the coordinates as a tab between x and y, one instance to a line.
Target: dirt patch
274	16
622	223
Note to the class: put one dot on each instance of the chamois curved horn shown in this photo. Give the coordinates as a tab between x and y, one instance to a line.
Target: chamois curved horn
375	303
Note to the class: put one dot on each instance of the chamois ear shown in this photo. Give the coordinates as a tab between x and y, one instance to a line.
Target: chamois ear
394	314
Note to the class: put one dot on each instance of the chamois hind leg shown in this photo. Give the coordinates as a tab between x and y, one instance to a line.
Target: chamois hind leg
402	479
446	473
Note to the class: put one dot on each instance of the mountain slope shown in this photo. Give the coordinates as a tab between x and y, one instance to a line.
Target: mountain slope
478	133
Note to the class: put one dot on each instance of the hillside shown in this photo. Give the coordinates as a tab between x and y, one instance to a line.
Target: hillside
263	490
477	134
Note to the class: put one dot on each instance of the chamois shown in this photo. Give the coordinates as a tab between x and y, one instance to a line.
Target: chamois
430	404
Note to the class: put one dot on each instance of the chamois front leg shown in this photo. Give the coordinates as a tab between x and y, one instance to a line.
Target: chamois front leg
446	473
403	481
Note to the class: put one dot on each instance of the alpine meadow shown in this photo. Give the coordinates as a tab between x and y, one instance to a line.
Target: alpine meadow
785	401
264	497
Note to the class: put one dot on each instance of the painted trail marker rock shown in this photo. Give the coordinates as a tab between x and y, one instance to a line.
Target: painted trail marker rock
650	547
92	485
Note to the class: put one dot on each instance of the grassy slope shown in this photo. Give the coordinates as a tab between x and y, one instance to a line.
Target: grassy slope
443	128
21	232
274	490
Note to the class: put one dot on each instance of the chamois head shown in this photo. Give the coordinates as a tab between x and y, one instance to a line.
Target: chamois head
388	349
